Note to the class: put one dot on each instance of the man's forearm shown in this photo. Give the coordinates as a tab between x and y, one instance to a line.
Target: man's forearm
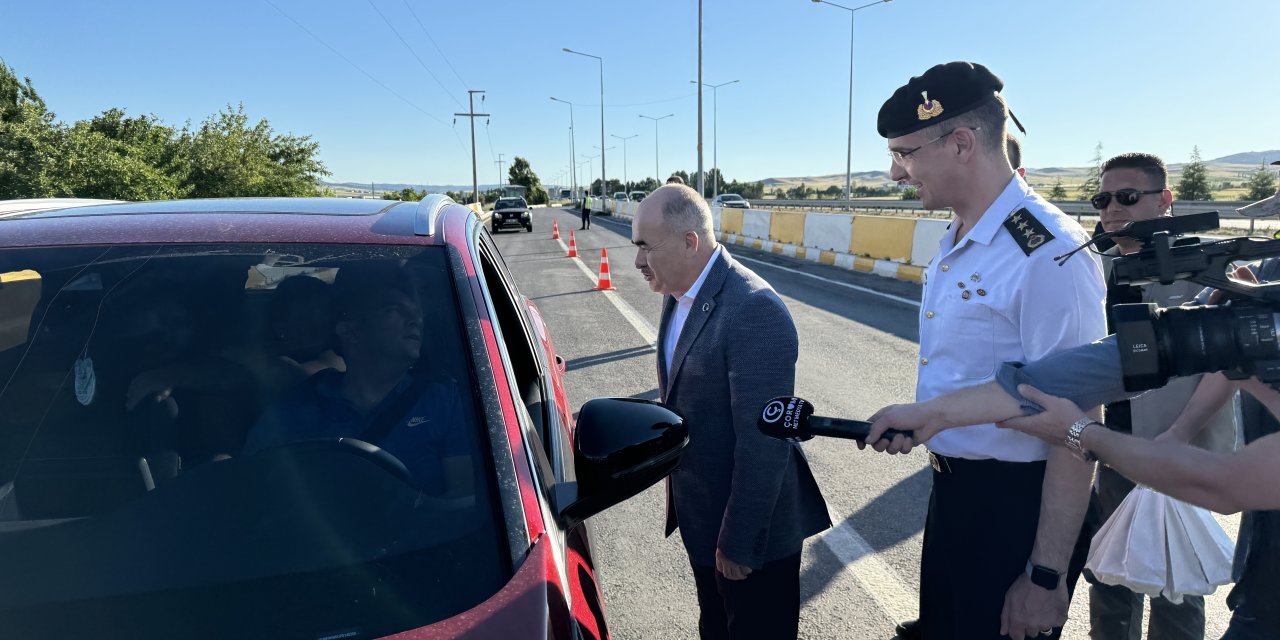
1189	474
1213	390
1063	502
973	405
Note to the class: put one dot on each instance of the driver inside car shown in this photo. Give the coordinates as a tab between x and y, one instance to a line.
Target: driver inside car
380	398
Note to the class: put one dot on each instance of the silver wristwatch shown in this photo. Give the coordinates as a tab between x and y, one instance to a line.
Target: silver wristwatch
1073	438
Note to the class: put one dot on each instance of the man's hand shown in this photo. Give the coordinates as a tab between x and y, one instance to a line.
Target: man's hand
1030	610
1051	425
730	569
903	417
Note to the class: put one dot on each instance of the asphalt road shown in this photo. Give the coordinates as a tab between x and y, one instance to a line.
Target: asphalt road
858	345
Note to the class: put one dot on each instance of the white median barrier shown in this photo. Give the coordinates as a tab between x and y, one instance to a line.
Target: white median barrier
924	242
828	231
755	223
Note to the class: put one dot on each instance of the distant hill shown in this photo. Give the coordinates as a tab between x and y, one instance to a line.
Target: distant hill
1254	158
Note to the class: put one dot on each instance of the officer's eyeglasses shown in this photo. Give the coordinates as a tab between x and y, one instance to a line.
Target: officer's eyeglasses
1126	197
902	157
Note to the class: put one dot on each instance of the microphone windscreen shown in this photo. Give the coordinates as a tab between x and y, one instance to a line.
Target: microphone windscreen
786	417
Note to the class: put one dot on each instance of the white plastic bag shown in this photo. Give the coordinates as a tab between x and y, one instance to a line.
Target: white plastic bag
1156	545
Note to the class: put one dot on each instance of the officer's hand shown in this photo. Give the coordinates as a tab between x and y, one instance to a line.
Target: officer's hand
1031	610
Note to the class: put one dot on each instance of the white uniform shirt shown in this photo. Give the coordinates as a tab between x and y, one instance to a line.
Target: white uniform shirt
987	302
681	312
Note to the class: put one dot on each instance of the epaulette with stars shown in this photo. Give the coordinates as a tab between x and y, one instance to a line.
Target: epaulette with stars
1027	231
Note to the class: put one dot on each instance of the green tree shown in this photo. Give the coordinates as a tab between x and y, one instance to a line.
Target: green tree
1194	184
832	191
1093	181
910	193
96	166
1261	184
522	174
800	192
229	158
684	175
647	185
406	194
1058	192
31	149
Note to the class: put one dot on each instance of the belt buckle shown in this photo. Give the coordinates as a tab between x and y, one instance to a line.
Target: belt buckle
939	463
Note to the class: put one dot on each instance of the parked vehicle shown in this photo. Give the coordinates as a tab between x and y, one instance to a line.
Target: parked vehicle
146	349
637	196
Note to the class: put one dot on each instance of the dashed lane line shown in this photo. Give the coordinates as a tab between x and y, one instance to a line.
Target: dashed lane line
628	312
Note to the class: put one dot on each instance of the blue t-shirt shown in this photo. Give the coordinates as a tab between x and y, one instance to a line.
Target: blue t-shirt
432	430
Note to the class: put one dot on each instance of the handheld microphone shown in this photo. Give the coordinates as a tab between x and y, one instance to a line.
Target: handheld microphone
791	418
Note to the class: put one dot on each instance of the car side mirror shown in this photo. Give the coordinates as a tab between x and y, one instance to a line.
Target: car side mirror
621	447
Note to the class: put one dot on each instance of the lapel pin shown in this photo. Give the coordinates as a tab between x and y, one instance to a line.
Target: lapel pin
706	306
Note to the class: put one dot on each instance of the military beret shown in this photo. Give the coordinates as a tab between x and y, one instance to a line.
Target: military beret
942	92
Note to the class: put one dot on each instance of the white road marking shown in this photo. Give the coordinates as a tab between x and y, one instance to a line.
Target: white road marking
628	312
846	285
875	575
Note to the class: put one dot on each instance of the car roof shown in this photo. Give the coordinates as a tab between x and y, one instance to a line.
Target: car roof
317	220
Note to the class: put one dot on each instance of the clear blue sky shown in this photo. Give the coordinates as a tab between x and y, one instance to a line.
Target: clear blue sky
1153	75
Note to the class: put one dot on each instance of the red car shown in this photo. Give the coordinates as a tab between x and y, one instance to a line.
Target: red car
294	418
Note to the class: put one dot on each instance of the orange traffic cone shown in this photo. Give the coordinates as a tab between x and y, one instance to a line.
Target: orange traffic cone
573	245
555	229
605	283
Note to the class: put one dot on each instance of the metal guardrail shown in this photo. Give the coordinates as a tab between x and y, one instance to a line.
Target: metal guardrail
1225	209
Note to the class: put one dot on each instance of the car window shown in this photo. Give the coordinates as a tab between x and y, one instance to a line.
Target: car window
181	445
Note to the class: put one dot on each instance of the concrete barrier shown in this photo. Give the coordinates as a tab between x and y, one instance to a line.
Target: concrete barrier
755	223
883	237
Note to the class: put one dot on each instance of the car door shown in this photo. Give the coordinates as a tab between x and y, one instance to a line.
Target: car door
547	437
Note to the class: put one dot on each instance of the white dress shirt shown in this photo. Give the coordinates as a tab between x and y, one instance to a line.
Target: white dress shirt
987	302
681	313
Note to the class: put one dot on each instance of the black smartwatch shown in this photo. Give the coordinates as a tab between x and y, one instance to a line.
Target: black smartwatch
1044	577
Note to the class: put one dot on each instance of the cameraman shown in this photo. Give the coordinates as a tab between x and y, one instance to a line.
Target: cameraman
1134	186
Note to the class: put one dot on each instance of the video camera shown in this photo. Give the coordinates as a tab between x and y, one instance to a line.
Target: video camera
1237	337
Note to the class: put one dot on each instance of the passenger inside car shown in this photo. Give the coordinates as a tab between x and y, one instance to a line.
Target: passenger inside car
380	398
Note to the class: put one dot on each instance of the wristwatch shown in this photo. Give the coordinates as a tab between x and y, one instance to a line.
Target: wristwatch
1044	577
1073	438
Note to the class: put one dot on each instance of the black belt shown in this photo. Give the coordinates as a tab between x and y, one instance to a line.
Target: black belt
948	464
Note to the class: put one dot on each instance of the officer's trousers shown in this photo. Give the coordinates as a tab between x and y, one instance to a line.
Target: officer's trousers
977	540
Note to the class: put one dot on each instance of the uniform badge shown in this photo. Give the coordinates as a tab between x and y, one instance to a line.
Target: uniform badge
929	109
1027	231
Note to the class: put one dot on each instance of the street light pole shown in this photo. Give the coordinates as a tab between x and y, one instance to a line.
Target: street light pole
715	133
657	174
573	153
601	61
848	162
499	162
590	170
702	184
603	186
624	158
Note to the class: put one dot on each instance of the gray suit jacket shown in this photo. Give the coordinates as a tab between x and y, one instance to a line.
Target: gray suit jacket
751	496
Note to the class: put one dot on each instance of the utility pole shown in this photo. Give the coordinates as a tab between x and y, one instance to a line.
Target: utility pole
657	174
499	162
471	113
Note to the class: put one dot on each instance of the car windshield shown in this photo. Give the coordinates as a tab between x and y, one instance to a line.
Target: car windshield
510	203
239	441
730	197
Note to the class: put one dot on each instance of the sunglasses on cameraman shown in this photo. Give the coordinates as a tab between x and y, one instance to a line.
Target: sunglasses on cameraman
1126	197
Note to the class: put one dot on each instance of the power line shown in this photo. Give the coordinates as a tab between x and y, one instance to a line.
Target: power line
433	43
354	65
638	104
415	53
